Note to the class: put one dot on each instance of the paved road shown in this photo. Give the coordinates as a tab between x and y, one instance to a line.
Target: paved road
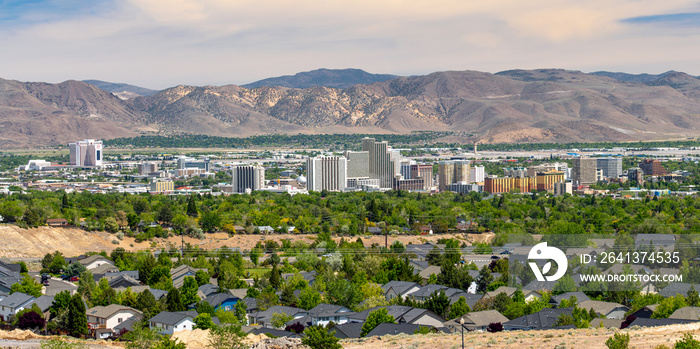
57	285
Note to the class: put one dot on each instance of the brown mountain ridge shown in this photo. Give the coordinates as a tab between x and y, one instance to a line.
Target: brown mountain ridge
547	105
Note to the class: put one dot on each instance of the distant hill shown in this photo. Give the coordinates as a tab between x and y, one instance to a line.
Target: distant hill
335	78
515	106
123	91
643	78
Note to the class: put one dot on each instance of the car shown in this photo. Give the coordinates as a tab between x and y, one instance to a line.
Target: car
65	277
495	257
46	282
74	279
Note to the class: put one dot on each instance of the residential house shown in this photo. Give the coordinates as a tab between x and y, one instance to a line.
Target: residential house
667	242
123	281
225	301
207	289
167	322
418	265
348	330
251	305
95	261
476	321
265	229
426	291
608	309
323	314
686	313
427	272
57	222
13	303
509	291
384	329
675	288
541	320
264	318
104	269
393	289
178	274
556	300
404	314
109	317
644	322
645	312
44	303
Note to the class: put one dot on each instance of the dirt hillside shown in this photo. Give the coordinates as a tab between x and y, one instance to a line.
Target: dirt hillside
36	242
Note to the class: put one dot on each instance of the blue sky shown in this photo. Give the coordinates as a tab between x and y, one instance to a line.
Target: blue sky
162	43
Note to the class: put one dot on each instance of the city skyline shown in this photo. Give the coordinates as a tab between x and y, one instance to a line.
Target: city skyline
159	44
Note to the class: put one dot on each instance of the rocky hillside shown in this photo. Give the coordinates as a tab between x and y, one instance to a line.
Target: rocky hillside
123	91
510	106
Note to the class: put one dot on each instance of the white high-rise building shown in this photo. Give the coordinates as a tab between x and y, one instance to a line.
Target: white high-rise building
326	172
477	174
406	168
247	178
86	153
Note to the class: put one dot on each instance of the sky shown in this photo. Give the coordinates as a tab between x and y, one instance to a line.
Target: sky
163	43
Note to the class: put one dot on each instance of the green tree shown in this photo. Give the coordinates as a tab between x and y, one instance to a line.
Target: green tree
458	308
188	291
668	306
111	225
141	337
692	297
77	318
203	321
484	279
438	303
148	304
166	343
279	319
210	221
202	277
28	286
192	207
173	301
228	336
317	337
275	277
309	298
255	255
375	318
61	301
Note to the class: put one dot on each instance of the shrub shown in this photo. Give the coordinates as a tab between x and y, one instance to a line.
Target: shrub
31	320
296	328
687	342
618	341
317	337
495	327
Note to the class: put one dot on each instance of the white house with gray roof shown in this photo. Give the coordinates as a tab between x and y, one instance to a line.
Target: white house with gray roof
323	314
264	318
110	316
170	322
393	289
13	303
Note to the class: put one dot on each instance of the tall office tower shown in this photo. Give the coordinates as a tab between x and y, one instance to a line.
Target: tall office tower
652	168
584	171
147	167
328	172
86	153
612	167
246	178
424	172
184	162
406	168
636	174
358	164
461	171
452	172
382	165
477	174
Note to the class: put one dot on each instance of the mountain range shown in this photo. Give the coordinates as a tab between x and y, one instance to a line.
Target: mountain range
546	105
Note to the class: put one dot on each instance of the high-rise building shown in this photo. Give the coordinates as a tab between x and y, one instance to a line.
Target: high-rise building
383	162
452	172
86	153
561	188
406	168
635	174
326	173
424	172
184	162
652	168
247	178
517	172
358	164
584	171
147	168
477	174
415	184
162	186
612	167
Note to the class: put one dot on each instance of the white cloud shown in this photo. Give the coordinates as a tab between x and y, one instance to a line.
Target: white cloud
160	43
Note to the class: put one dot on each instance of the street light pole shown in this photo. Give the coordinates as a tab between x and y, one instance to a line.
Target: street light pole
461	324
